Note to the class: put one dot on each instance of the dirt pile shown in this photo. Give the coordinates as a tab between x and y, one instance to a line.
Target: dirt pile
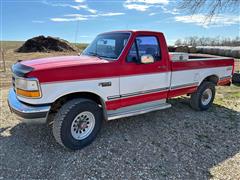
46	44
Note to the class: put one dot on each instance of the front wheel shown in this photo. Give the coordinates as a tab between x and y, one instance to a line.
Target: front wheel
203	98
77	123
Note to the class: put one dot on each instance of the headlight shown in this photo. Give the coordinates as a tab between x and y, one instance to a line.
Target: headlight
25	84
27	87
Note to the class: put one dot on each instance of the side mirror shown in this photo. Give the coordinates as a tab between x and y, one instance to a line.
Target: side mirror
147	59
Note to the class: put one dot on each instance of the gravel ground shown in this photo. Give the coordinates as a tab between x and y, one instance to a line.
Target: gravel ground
176	143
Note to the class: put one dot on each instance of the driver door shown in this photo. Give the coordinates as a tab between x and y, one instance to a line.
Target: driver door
144	82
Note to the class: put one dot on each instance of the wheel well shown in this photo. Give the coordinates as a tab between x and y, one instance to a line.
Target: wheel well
88	95
213	78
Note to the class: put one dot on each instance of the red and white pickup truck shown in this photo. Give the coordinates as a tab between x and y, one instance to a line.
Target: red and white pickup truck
120	74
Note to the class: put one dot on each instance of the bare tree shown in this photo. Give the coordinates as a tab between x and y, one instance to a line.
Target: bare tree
178	42
209	7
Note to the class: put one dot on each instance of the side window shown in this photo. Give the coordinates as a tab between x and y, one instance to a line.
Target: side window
132	54
144	45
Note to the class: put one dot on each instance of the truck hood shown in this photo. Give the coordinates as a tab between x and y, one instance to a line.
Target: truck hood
66	68
62	61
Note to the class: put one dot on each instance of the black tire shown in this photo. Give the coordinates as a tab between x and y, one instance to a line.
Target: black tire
196	98
64	118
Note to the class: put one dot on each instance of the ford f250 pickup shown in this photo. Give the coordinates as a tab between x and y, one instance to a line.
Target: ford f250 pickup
120	74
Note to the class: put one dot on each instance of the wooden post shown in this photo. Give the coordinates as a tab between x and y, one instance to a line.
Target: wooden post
3	59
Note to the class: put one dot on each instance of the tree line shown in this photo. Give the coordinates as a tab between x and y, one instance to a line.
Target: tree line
208	41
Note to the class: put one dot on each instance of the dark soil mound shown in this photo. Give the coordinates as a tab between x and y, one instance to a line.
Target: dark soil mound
46	44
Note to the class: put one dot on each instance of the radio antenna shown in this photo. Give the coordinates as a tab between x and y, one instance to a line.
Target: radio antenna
76	33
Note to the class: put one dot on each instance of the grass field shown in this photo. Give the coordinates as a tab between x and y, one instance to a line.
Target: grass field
177	143
11	57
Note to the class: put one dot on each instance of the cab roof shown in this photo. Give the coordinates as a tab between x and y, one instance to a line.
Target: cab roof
132	31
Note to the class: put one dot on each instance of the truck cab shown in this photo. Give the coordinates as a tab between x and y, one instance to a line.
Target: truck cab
120	74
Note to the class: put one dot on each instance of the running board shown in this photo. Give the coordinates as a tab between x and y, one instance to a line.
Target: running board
125	112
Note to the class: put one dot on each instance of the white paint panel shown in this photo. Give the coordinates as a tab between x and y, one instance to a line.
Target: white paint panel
198	75
131	84
52	91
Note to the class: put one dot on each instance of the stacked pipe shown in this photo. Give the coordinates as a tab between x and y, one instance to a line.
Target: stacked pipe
213	50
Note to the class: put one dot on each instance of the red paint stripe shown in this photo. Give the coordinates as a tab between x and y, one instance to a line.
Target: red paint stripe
124	102
113	105
178	66
143	98
182	91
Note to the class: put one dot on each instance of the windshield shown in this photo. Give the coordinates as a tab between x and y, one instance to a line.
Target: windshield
109	45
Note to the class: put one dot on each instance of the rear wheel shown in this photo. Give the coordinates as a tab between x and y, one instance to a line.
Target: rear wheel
203	98
77	123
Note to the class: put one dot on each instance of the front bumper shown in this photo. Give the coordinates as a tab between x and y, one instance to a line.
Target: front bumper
27	113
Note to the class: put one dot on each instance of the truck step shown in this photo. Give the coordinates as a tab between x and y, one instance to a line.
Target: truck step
136	110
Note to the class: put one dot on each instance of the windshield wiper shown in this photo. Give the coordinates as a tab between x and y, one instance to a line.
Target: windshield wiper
109	57
100	56
94	54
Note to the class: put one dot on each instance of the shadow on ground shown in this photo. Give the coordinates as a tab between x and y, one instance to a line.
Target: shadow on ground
173	143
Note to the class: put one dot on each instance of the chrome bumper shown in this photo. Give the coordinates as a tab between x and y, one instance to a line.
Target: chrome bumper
28	113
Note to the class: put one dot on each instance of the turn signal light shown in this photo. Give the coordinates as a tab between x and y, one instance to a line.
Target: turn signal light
31	94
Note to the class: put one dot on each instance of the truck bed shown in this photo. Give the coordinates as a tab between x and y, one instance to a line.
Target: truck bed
191	72
194	57
204	57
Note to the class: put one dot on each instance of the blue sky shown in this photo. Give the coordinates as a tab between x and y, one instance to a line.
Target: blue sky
82	20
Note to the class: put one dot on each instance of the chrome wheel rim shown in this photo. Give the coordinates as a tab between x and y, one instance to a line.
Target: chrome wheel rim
82	125
206	97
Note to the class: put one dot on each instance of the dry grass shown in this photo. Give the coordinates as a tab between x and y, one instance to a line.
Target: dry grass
176	143
11	57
